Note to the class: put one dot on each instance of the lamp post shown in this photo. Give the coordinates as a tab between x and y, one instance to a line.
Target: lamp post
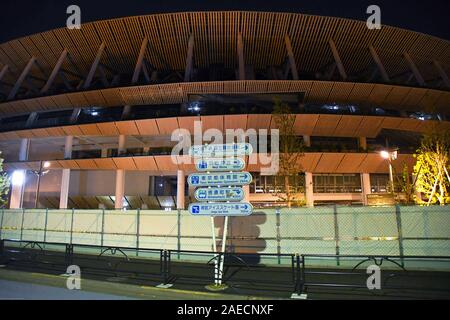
39	173
390	156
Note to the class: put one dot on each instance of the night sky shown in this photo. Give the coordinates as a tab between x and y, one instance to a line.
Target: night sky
20	17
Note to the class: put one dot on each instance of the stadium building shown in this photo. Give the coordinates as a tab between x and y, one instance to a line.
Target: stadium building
87	114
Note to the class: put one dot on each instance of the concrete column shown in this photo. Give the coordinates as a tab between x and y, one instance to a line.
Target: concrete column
181	184
366	188
104	153
151	191
24	148
120	176
121	149
309	190
307	141
362	141
65	177
64	194
120	187
17	190
246	193
68	147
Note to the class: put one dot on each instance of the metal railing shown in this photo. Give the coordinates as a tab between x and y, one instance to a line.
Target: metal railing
153	266
395	277
244	272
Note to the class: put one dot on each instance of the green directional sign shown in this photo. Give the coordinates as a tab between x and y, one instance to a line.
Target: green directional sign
219	179
221	209
221	150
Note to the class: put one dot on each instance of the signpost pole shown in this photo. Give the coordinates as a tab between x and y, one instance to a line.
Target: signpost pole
221	192
213	232
224	240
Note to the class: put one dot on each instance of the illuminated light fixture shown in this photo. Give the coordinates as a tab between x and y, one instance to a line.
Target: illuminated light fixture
46	164
18	178
384	154
94	113
194	106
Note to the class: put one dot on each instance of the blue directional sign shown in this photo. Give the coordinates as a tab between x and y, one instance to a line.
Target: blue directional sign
219	179
220	164
221	150
221	209
219	194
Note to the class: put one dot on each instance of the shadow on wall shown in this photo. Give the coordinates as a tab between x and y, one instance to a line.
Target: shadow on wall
243	236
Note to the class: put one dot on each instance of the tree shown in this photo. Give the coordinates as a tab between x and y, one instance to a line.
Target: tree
4	184
290	150
404	183
433	166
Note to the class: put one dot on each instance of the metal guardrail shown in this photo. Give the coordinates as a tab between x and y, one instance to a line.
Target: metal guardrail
394	275
301	273
243	270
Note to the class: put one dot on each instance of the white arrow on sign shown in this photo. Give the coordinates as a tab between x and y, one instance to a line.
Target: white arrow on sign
221	150
224	164
219	179
221	209
219	194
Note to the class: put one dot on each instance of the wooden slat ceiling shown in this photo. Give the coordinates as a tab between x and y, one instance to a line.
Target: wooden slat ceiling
305	124
163	165
215	42
380	95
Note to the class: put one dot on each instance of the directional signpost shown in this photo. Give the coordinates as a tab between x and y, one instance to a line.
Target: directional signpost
221	150
219	194
223	164
219	179
220	191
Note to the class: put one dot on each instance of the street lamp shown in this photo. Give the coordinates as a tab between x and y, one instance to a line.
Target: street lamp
390	156
18	178
43	169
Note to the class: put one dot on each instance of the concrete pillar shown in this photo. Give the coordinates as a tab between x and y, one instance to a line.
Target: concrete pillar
366	188
362	141
121	149
307	141
181	184
65	177
104	153
64	194
16	201
309	190
246	193
120	187
24	148
151	190
68	147
120	176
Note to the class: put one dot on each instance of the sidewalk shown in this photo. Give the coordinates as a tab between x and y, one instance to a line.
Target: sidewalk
39	286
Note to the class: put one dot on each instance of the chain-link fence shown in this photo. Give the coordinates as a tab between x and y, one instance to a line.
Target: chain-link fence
396	231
